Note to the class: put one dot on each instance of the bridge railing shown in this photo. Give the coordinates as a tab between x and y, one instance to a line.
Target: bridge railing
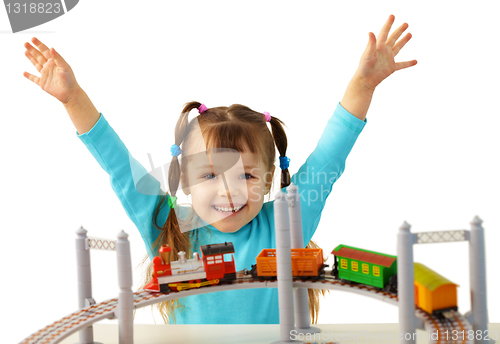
442	236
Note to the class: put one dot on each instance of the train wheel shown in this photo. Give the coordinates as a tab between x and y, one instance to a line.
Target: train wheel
228	277
164	288
253	271
393	284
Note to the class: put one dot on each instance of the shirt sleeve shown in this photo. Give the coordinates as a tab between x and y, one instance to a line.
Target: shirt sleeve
138	191
324	166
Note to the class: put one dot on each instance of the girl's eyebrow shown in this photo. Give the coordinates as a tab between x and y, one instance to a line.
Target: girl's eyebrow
210	166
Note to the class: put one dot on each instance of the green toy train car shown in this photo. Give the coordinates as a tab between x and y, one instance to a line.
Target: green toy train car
434	293
367	267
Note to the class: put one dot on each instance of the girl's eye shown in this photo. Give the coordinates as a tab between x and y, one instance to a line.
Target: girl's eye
211	176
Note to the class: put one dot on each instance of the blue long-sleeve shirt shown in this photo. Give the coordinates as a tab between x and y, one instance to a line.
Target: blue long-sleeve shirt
315	179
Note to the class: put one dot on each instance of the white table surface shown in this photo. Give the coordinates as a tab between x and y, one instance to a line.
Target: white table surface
252	334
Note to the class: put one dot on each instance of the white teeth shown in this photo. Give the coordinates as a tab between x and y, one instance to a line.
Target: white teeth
227	210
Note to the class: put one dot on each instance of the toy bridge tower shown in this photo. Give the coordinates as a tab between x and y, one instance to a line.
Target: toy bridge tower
288	229
478	316
124	313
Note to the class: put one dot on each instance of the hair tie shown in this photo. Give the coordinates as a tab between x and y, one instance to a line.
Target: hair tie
202	108
175	150
267	116
284	162
172	202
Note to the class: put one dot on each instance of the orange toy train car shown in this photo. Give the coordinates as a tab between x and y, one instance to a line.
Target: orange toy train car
306	262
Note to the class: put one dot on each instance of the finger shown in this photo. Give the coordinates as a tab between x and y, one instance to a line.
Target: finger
382	36
57	58
401	43
35	53
42	47
31	77
406	64
396	34
35	63
370	47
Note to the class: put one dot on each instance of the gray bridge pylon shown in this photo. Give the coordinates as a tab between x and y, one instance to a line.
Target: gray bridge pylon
125	309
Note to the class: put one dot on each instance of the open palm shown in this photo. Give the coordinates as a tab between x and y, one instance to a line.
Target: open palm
377	61
57	78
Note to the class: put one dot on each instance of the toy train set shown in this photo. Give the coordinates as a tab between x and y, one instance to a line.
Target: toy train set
433	293
362	271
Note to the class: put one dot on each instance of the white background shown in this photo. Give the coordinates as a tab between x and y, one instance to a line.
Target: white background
428	154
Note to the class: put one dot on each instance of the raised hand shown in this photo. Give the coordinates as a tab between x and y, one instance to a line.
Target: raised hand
377	61
376	64
57	77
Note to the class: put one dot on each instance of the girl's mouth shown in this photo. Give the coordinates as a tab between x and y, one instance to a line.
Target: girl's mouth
228	210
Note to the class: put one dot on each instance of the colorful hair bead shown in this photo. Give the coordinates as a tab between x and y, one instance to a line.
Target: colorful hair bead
172	202
175	150
202	108
267	116
284	162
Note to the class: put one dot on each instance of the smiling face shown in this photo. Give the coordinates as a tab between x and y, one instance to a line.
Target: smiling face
227	187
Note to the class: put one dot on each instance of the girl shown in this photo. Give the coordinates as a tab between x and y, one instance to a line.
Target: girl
227	189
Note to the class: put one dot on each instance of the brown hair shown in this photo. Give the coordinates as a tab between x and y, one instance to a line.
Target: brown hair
235	127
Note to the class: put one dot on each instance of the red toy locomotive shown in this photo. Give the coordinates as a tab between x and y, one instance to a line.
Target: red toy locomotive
192	273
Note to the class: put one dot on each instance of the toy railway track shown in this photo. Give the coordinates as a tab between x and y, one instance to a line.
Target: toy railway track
453	328
83	318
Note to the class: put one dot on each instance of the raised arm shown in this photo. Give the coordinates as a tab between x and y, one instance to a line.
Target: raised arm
58	80
137	190
326	163
376	64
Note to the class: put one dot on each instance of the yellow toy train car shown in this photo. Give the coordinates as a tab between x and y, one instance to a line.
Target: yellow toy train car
433	292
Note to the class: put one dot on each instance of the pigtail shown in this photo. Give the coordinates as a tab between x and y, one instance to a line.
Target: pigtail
177	240
314	294
281	144
170	232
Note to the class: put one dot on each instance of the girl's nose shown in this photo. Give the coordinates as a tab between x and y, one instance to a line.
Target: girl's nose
226	189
